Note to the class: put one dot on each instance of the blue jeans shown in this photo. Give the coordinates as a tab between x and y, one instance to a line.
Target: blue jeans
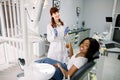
58	74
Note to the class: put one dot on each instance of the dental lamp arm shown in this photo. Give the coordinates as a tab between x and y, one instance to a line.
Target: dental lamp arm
34	11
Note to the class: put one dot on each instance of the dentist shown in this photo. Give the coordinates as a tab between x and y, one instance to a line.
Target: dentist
56	32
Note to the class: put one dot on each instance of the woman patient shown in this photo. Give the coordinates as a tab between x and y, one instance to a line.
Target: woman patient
88	47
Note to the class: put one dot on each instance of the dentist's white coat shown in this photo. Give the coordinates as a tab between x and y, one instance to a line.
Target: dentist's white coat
57	49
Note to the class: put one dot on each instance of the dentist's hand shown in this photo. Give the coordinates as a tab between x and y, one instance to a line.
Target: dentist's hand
55	32
66	30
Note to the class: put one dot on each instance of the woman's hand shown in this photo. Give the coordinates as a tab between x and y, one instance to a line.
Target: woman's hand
58	65
68	45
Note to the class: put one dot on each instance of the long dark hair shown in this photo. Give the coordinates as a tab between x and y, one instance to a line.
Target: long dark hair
54	10
93	47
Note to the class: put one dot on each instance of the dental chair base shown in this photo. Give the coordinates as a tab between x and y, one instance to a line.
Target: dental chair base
38	71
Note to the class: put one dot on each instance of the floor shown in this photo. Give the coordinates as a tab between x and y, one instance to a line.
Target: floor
108	67
10	73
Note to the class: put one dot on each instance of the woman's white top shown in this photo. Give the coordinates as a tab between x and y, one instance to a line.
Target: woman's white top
76	61
57	49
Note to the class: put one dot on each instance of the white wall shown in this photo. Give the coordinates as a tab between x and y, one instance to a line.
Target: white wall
95	12
118	7
68	12
0	27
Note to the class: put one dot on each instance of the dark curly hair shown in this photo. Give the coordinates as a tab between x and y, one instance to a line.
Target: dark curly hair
93	47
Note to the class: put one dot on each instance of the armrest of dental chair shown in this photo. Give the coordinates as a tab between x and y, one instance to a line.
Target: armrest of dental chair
85	69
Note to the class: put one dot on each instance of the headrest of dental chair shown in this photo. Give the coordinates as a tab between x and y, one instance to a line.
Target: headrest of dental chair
83	71
96	55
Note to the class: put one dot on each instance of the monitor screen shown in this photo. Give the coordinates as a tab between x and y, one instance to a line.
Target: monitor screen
108	19
116	31
117	22
116	35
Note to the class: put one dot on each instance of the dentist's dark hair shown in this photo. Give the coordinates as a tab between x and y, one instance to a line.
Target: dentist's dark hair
93	48
54	10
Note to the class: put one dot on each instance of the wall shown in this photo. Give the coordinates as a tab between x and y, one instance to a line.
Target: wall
95	12
118	7
0	27
68	11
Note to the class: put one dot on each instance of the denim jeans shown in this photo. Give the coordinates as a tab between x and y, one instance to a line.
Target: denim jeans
58	74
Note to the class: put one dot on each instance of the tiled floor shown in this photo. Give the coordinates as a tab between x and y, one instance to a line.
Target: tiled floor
10	73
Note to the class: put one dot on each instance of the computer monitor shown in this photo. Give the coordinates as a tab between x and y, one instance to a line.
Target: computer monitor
116	35
116	31
117	22
108	19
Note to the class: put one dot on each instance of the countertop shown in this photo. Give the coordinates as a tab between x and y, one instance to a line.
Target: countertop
78	30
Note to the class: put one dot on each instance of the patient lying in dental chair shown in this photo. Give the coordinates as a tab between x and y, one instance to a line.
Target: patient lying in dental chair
88	47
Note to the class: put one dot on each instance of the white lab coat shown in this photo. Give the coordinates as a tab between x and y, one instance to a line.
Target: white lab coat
57	49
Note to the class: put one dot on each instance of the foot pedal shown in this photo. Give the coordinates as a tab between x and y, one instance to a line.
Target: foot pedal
21	62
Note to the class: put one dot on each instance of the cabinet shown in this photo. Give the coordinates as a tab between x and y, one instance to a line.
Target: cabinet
76	36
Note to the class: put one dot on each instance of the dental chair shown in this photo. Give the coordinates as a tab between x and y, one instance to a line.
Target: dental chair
85	69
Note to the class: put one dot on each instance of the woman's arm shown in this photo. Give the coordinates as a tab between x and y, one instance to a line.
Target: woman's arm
70	72
69	46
